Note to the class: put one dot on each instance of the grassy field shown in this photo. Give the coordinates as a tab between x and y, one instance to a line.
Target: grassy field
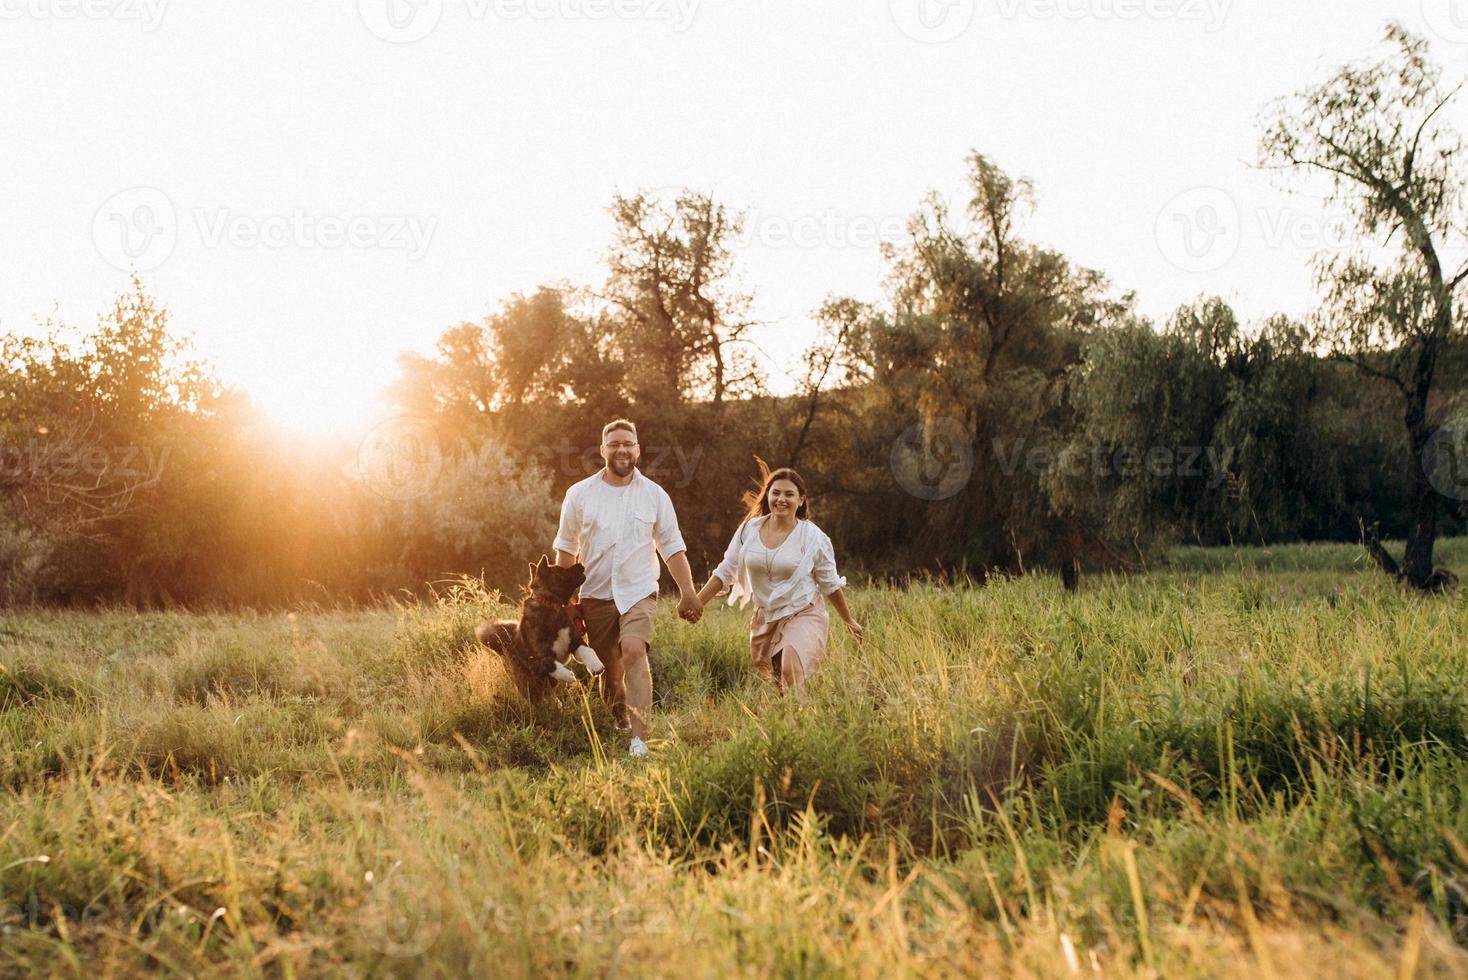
1247	765
1330	558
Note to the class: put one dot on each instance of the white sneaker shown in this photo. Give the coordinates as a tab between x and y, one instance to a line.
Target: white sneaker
637	749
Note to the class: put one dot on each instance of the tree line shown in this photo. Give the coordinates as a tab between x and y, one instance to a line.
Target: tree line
1001	409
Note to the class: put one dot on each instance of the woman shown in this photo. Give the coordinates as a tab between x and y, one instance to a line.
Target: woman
787	566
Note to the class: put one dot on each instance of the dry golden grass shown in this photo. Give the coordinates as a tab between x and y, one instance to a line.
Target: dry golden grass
1206	774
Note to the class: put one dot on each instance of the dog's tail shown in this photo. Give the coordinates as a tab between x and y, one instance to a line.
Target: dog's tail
496	636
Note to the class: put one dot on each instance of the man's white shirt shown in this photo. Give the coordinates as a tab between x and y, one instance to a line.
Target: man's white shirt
618	533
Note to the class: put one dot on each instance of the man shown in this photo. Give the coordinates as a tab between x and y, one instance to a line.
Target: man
616	523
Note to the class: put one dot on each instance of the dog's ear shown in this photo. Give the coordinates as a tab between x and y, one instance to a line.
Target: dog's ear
533	568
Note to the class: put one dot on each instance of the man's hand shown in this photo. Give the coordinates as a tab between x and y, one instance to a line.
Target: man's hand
689	608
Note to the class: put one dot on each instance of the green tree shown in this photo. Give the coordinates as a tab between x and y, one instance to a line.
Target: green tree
1202	431
683	320
1377	134
484	515
980	332
1136	389
120	442
516	376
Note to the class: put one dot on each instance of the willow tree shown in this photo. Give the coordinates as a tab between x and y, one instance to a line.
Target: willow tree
1376	134
683	316
976	339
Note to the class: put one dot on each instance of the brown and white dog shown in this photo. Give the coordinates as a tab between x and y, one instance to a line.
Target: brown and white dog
537	648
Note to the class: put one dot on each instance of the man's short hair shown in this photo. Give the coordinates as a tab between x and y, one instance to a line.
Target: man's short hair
619	424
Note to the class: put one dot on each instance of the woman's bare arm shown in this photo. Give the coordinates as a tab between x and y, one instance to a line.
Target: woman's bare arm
838	600
713	587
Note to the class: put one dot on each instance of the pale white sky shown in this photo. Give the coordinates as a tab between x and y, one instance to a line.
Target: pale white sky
314	187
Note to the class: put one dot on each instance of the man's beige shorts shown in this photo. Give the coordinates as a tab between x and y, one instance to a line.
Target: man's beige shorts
605	628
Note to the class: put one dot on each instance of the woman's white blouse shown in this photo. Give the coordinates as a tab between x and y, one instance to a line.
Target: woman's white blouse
783	580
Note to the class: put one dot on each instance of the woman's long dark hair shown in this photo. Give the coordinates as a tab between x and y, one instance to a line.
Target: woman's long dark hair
757	502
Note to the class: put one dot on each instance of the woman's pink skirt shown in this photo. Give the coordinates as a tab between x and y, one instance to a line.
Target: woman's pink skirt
802	633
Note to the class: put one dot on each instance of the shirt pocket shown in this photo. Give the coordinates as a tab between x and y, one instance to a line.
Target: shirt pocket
644	521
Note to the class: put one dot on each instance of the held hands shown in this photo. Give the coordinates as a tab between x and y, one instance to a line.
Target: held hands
690	608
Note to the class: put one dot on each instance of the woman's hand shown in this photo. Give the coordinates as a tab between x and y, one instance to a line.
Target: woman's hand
690	609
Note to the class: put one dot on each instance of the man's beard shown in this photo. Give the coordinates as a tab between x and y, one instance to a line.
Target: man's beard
621	467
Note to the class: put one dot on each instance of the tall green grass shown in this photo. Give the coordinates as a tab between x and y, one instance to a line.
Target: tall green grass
1186	774
1316	557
